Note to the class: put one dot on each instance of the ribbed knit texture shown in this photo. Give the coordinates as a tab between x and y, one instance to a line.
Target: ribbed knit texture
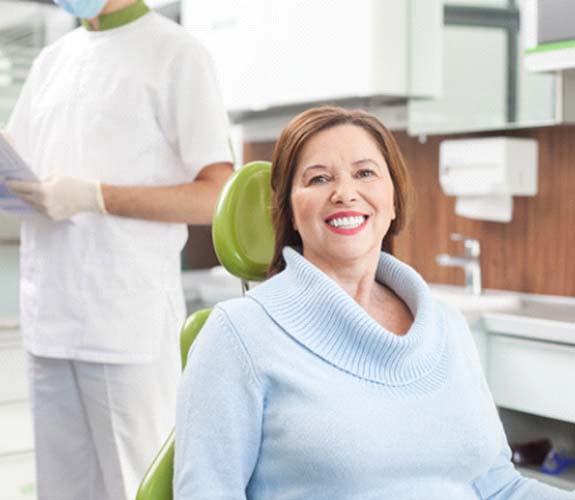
326	320
295	393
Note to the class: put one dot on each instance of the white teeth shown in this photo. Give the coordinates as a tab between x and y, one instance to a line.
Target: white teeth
347	222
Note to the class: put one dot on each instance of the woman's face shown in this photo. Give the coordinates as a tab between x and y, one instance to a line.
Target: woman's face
342	197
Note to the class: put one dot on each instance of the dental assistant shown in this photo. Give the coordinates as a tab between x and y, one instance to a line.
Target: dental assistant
123	121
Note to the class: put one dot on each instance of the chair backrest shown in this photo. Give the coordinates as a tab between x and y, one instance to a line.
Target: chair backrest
242	229
243	240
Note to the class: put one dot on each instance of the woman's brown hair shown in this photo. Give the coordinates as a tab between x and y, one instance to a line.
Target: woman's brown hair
285	161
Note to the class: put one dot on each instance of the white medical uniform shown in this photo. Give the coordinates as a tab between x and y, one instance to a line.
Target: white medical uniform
101	296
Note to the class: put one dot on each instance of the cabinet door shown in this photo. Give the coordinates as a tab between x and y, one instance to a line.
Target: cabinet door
533	377
233	31
283	52
13	367
16	431
18	472
329	49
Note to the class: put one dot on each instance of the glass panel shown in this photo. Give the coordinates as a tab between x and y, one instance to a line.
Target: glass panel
485	85
473	84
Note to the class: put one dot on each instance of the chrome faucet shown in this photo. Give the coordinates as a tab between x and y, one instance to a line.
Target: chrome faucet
469	261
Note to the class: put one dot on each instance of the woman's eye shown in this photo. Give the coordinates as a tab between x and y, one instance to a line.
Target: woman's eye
365	173
318	179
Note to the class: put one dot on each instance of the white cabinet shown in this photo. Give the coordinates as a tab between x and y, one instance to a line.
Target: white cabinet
232	31
17	472
532	376
13	379
278	53
16	434
17	468
549	37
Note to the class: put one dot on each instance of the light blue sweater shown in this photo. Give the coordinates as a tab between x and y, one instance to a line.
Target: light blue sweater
295	393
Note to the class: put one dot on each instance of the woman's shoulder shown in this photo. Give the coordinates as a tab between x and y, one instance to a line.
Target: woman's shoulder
236	311
241	328
244	317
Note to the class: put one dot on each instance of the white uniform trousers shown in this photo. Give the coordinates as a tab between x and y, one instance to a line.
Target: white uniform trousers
98	426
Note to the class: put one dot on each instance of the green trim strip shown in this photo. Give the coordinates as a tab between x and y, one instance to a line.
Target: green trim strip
569	44
120	17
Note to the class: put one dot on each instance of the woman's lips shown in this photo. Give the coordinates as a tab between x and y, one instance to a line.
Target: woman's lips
347	223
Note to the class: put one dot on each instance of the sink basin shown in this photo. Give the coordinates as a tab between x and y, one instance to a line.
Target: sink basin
530	316
537	317
489	300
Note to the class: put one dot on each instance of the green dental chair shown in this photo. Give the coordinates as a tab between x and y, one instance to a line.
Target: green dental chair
243	239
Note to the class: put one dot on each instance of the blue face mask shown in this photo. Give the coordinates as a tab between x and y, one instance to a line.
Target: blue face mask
85	9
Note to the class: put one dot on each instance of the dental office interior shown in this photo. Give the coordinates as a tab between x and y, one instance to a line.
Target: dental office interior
480	96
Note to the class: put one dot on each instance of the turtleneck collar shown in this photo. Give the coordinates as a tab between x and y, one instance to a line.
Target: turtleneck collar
315	311
119	18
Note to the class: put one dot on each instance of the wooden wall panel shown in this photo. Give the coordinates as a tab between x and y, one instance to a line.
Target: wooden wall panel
199	251
534	253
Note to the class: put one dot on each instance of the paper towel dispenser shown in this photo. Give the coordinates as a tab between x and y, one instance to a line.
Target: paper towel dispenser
485	173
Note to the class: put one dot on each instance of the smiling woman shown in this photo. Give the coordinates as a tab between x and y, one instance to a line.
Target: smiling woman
316	126
342	204
340	377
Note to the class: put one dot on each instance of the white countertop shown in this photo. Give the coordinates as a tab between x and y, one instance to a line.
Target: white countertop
539	317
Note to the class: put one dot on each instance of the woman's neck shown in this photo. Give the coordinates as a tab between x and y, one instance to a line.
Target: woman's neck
357	278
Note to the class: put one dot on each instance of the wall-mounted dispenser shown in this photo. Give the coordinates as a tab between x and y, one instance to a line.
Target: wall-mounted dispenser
485	173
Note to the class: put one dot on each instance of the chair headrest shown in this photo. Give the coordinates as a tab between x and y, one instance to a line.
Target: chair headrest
242	228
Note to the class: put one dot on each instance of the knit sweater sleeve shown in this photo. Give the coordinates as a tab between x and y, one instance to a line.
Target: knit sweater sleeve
219	414
502	481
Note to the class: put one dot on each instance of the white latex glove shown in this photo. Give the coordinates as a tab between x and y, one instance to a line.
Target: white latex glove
60	197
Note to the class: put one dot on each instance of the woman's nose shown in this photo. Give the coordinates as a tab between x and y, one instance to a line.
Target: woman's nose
344	191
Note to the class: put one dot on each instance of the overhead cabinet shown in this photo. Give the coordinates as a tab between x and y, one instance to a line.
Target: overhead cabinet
278	53
549	35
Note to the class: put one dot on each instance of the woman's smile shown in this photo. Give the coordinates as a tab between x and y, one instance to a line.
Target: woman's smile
347	223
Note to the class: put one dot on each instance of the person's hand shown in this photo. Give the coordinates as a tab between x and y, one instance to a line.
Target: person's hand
60	197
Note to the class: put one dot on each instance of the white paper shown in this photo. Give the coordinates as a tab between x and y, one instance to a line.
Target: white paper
496	208
12	166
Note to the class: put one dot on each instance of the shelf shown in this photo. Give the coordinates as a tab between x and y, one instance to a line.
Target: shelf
565	481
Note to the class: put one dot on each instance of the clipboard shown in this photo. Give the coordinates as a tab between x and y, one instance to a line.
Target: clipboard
12	166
